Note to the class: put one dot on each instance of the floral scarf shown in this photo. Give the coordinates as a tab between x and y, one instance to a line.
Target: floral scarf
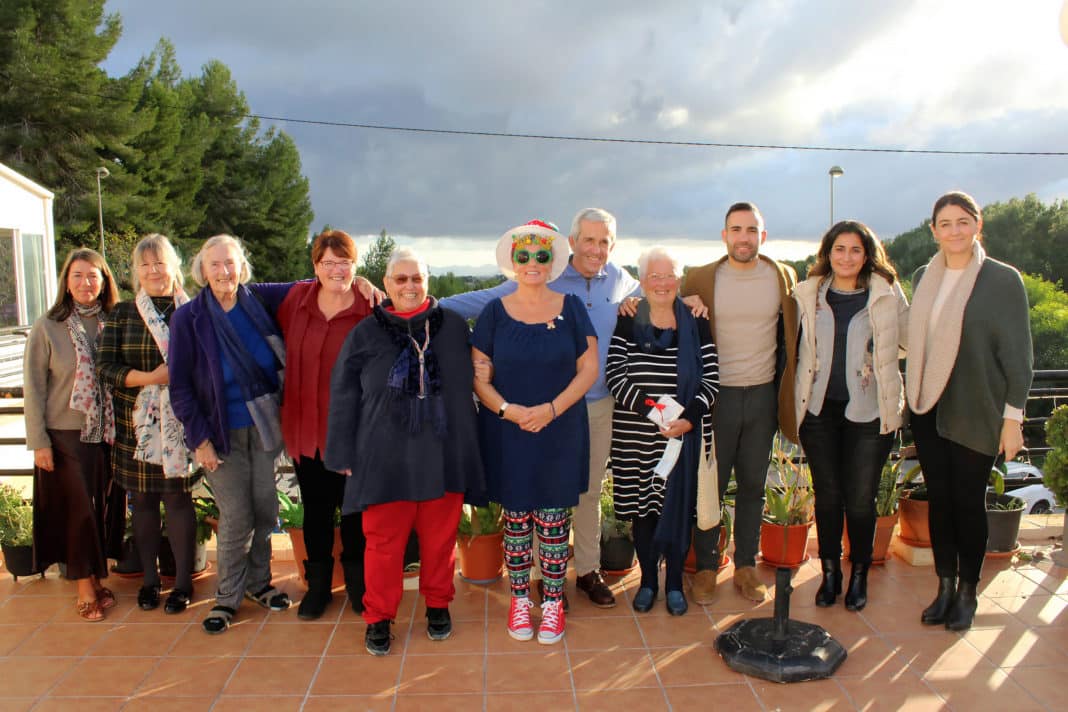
89	396
158	433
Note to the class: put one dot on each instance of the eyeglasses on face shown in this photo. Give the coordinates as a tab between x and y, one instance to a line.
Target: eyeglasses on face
542	257
661	277
331	264
403	278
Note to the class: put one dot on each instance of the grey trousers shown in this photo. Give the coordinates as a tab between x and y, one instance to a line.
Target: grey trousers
244	487
744	420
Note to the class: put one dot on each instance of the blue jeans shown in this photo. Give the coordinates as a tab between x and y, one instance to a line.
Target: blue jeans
846	459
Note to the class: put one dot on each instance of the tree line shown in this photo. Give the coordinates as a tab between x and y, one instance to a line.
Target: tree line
183	158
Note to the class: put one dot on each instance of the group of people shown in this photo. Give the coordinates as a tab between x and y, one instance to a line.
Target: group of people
573	362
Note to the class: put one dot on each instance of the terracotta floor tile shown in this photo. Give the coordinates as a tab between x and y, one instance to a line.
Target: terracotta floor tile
28	677
891	619
1010	583
871	658
274	703
602	633
33	609
63	639
836	620
989	689
821	695
736	697
469	603
274	640
498	640
154	639
676	631
905	693
193	677
12	635
1016	648
348	639
692	665
435	703
349	702
442	674
104	677
468	636
76	704
272	676
646	698
358	675
528	701
938	651
539	670
612	669
169	704
21	704
194	642
1036	610
1044	684
1051	578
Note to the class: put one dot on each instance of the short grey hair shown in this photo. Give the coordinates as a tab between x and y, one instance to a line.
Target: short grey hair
406	254
197	268
163	249
658	252
594	215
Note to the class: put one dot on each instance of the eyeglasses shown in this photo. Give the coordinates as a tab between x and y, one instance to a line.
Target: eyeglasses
542	257
661	277
403	278
331	264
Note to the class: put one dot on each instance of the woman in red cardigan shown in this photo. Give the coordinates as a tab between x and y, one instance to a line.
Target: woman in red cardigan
315	317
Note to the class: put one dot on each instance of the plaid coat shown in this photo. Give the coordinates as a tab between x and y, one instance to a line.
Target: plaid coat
126	345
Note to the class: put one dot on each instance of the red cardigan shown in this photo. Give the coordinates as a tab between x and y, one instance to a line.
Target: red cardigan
312	346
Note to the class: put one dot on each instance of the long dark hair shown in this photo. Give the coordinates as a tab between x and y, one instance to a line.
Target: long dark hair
109	293
875	259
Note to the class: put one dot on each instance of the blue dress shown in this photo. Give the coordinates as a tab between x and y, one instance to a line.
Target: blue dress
532	364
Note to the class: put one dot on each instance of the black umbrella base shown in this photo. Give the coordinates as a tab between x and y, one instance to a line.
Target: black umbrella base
807	652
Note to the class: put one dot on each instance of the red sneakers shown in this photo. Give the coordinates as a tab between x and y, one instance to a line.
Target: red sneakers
552	622
519	626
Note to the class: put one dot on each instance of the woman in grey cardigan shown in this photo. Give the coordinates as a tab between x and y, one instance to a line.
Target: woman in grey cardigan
849	393
968	373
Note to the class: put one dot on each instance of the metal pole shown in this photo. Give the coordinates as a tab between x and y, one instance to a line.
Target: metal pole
835	172
101	172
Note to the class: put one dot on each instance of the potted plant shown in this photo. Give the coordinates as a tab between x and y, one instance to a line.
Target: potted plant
725	527
788	513
913	507
887	508
1056	468
16	532
617	546
291	521
480	543
1003	514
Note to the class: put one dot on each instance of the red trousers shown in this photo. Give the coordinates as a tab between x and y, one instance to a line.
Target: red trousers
387	527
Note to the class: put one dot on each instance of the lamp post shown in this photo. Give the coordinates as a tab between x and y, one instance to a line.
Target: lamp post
101	172
834	173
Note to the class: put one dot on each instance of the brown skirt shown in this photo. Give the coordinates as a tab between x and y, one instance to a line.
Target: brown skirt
79	514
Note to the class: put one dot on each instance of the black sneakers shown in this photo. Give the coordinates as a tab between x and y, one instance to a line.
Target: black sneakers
377	638
438	623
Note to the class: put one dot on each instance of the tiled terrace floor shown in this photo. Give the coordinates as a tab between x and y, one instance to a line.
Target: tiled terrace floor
1015	657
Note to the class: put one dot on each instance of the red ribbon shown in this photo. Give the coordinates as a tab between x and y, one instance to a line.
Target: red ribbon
653	404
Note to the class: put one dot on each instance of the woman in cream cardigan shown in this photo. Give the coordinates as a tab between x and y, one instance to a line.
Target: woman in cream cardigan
849	395
968	373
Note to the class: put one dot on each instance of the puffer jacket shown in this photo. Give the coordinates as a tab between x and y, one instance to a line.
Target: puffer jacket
888	315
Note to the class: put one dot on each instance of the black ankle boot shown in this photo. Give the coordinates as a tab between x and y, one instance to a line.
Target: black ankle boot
320	575
962	611
939	608
832	582
857	594
354	585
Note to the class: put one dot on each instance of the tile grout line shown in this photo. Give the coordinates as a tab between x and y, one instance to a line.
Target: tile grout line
241	658
326	648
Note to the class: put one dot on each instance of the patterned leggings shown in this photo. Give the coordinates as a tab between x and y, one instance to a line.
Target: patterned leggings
553	527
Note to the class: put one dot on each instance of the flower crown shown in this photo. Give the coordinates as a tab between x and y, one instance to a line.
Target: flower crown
531	239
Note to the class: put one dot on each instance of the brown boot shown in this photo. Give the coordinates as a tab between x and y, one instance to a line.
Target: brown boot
749	584
703	587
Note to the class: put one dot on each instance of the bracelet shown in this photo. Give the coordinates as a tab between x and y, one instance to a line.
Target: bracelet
553	409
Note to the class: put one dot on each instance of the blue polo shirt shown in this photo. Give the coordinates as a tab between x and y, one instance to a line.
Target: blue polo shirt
601	295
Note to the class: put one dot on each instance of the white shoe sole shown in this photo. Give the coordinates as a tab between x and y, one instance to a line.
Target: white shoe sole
550	641
521	635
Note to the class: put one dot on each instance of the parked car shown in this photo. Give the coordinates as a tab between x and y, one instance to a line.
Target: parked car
1038	498
1020	474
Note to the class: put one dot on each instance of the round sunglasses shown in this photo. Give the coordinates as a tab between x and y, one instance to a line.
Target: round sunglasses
542	257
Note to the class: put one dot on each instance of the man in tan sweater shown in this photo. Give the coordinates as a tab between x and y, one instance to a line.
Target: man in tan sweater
754	323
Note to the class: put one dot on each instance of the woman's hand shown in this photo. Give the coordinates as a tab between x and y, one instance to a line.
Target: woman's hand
629	306
1011	438
160	375
483	370
42	458
698	308
676	428
535	418
369	292
205	456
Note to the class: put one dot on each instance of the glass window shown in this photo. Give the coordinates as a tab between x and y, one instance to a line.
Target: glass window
33	276
9	308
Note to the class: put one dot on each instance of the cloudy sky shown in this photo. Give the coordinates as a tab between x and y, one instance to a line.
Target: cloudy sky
962	75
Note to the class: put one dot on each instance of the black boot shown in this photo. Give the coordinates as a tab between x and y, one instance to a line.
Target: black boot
832	583
962	611
857	595
939	608
354	585
320	575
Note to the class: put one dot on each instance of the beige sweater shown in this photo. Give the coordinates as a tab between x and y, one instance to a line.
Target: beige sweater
48	379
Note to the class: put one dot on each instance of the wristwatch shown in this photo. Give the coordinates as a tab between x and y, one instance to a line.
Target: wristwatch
500	411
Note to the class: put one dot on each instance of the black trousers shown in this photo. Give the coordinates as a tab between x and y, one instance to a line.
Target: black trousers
956	478
643	529
846	459
181	533
321	492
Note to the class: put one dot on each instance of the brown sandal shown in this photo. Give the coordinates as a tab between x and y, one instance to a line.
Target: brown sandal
105	598
89	611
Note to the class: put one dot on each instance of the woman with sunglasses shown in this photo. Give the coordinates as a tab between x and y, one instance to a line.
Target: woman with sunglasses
402	426
532	423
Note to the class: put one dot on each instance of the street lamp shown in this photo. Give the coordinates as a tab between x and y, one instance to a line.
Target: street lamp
835	172
101	172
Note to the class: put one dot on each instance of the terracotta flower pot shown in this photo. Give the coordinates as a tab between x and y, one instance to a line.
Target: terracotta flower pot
481	557
784	545
300	553
690	564
913	517
884	532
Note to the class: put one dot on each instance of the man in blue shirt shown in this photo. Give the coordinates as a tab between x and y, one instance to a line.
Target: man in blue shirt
602	286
